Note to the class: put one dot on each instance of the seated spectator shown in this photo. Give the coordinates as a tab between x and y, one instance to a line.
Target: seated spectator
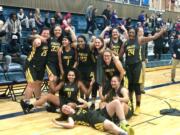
141	17
88	16
58	17
114	18
27	43
93	21
13	26
67	22
128	23
49	24
38	18
177	25
13	51
2	21
23	18
31	17
107	14
159	20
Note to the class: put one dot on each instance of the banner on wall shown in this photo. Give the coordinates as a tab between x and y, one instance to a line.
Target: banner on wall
145	2
135	2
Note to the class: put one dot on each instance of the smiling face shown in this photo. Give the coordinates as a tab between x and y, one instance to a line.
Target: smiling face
98	43
107	56
57	31
115	82
37	42
45	34
81	42
115	33
68	110
132	34
71	76
65	42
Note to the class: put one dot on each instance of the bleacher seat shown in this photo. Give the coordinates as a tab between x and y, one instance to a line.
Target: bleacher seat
14	67
13	79
5	85
16	77
18	84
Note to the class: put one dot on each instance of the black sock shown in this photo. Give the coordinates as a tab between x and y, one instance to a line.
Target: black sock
137	103
30	106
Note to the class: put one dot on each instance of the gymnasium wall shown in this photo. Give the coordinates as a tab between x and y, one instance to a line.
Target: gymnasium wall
79	6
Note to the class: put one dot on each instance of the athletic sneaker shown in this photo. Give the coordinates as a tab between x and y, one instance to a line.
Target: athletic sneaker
26	107
172	80
51	107
123	133
143	92
137	111
126	127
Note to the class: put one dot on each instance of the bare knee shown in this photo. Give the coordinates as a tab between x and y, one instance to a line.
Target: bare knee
108	125
116	102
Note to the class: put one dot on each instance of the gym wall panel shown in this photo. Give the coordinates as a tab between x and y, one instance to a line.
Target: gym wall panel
79	6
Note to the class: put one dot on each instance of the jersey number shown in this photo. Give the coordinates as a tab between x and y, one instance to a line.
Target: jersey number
54	48
69	94
44	53
131	52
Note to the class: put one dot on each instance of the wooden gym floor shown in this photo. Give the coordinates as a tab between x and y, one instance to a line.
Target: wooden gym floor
160	94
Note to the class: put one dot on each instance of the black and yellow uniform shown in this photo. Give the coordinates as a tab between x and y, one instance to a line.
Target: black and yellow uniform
133	65
94	118
84	57
98	71
69	93
52	66
36	63
112	93
109	71
115	46
133	61
68	59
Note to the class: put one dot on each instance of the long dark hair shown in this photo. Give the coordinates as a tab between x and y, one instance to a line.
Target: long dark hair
76	75
84	38
44	28
52	32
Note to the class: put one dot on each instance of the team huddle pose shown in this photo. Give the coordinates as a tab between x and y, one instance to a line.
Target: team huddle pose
78	69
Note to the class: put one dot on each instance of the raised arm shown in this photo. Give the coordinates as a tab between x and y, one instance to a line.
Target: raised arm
125	33
76	59
102	97
73	36
108	28
84	89
55	87
69	124
142	40
60	61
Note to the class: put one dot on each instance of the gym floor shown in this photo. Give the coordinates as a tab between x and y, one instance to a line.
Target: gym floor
160	94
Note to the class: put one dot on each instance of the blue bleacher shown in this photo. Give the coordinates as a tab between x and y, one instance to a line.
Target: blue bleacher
79	21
